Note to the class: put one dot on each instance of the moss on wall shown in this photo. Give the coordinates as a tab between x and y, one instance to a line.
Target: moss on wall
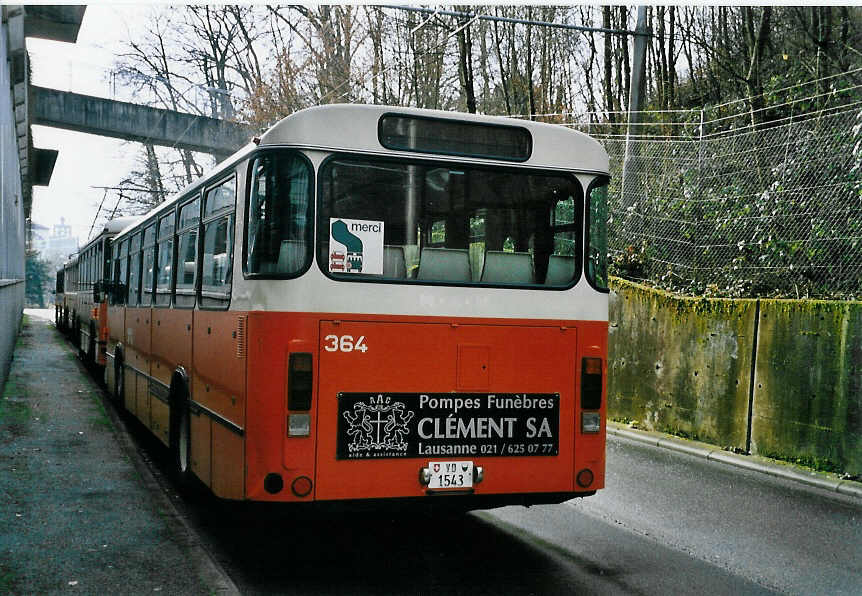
808	383
683	365
680	365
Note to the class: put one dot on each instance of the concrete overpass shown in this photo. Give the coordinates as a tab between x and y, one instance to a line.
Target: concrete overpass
133	122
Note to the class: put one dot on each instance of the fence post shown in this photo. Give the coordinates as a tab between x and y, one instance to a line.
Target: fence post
700	258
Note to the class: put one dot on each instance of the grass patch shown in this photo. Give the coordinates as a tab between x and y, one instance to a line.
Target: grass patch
677	432
13	412
101	416
11	389
13	409
7	580
818	464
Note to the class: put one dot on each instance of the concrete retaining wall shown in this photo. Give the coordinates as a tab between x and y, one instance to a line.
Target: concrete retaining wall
11	307
684	365
808	382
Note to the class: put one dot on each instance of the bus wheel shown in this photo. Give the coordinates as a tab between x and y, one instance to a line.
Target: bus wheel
180	439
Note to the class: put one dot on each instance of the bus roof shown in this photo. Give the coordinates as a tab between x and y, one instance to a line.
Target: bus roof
346	127
112	227
353	127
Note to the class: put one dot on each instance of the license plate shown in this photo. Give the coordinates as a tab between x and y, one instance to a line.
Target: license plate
450	475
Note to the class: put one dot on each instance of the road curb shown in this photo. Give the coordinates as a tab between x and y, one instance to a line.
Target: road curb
710	453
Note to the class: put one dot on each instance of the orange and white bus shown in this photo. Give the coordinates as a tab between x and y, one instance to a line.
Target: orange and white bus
375	303
80	293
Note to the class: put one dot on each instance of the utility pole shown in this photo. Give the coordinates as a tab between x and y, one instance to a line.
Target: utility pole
636	94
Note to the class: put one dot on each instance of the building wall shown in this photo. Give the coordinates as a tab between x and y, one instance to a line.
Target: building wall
11	219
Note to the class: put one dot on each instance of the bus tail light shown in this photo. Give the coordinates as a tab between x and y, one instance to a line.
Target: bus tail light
299	381
299	388
591	383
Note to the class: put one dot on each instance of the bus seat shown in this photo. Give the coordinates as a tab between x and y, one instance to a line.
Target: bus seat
394	264
219	267
561	270
291	256
444	264
508	267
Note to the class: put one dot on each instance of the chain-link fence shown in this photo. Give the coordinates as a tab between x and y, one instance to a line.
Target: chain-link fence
727	207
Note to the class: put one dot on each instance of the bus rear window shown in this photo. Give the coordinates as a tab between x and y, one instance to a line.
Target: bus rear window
428	223
453	137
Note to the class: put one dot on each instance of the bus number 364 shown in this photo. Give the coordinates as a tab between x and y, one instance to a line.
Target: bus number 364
344	343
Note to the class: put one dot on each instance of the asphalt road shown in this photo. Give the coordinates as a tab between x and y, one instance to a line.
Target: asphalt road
659	505
667	522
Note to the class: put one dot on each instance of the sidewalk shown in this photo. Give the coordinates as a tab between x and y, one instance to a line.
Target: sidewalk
763	465
79	512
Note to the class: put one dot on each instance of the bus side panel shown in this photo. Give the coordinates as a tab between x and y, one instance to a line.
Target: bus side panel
218	384
172	342
227	459
116	328
82	319
200	428
590	448
137	350
171	347
102	337
271	339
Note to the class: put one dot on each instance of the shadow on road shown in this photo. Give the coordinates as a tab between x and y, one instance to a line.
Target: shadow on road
375	553
281	549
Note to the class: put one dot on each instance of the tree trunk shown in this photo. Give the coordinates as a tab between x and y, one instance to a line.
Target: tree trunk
529	72
503	83
754	83
465	51
608	65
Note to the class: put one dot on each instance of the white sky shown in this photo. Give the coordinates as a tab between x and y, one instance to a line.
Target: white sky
84	160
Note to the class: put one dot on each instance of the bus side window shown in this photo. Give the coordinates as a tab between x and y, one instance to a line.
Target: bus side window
148	268
165	259
122	287
187	254
597	235
135	270
218	245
